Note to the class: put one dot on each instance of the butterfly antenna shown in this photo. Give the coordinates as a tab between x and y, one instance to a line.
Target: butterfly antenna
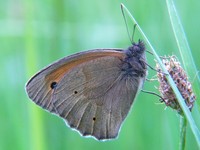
126	24
132	39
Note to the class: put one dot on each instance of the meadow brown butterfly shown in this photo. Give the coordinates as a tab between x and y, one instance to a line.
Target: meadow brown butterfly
93	90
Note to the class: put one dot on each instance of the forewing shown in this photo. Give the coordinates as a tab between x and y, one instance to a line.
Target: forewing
39	87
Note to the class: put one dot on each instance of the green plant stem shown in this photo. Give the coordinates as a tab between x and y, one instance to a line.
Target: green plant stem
171	82
183	127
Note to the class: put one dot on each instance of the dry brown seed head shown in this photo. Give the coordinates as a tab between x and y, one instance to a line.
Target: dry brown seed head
181	80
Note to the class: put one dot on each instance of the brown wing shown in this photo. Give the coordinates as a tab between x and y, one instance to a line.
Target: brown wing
39	87
92	95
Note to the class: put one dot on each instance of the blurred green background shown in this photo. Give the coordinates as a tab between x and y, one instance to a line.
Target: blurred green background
34	33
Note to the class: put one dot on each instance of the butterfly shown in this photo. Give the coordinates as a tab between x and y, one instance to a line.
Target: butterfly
93	90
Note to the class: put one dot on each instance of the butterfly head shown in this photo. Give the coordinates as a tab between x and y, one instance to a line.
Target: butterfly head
136	50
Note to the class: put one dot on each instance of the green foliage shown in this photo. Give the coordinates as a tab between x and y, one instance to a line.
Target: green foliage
35	33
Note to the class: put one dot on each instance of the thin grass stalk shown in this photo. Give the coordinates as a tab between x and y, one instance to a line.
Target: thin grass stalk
183	128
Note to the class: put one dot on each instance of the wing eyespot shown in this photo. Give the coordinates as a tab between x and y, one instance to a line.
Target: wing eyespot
94	118
75	92
53	85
